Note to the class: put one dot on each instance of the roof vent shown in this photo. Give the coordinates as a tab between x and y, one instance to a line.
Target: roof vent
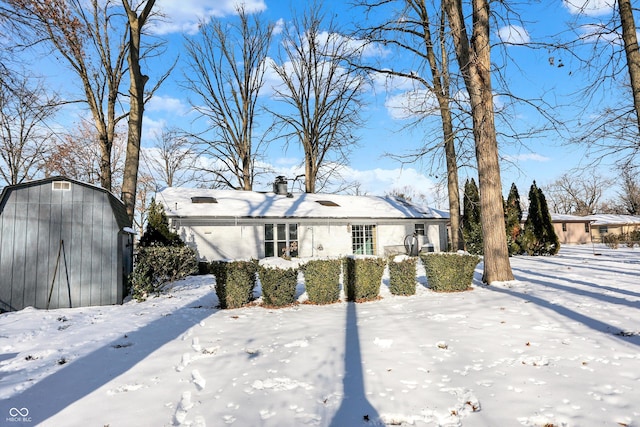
203	199
327	203
280	186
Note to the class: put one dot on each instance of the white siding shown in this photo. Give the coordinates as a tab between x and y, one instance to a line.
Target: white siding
224	242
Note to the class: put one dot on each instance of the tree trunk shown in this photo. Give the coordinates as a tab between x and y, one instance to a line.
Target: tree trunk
630	38
457	242
310	172
105	160
474	60
136	96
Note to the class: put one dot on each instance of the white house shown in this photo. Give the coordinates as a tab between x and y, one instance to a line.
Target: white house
229	224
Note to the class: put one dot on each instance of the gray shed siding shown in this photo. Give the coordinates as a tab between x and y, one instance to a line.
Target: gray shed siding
38	224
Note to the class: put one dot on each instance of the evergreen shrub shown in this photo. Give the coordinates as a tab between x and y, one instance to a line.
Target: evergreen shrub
363	277
449	272
156	266
402	275
611	240
278	285
157	232
235	282
322	280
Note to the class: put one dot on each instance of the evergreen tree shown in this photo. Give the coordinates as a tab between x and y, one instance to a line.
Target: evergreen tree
471	227
157	232
551	243
539	236
513	218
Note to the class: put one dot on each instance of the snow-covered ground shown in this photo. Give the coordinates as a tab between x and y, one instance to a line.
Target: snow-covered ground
559	346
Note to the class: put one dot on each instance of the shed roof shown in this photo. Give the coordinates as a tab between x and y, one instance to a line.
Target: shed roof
192	202
119	211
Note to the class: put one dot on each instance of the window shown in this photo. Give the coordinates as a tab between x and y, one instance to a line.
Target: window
363	239
586	227
564	227
61	185
603	229
281	240
419	229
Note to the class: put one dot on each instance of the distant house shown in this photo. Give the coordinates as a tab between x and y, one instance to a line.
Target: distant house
602	225
572	229
228	224
576	229
63	243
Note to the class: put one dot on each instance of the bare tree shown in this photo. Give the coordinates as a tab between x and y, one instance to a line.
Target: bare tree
25	111
171	160
226	64
413	32
137	16
90	37
607	49
323	91
77	155
577	194
474	59
630	192
632	53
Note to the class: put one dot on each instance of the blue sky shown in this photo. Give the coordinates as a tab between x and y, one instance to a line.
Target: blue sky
529	73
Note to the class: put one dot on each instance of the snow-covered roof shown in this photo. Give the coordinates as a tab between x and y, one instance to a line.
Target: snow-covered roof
568	218
606	219
194	202
597	219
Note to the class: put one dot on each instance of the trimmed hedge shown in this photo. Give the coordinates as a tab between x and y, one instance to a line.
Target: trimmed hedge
156	266
449	272
363	277
278	285
402	276
322	280
235	282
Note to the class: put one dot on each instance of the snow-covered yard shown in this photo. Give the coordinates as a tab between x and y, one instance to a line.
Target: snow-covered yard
559	346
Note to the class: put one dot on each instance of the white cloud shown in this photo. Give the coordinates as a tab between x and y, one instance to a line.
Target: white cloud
167	104
278	27
514	34
595	33
151	129
412	104
380	181
390	83
376	181
185	15
534	157
589	7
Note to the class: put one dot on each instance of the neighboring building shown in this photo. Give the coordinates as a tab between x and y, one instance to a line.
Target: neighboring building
602	225
228	224
572	229
63	243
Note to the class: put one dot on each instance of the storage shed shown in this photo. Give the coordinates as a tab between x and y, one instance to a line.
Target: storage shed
63	243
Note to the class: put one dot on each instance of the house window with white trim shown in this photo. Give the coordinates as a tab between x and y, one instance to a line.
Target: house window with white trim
419	229
564	227
281	240
363	239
